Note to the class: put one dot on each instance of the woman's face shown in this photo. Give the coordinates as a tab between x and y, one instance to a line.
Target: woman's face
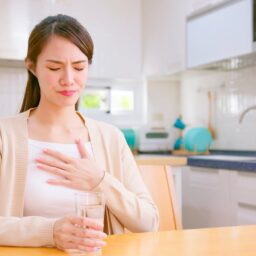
62	71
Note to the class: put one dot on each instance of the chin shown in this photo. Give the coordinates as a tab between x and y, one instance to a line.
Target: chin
67	104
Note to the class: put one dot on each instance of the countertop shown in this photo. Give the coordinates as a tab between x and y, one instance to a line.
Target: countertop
228	162
151	159
218	159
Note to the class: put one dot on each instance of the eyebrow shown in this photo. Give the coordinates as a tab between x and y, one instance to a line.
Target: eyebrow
61	62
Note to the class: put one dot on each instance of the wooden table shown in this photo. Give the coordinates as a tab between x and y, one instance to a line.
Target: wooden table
231	241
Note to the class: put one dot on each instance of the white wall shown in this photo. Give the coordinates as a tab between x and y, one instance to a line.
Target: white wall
115	27
233	92
163	28
163	104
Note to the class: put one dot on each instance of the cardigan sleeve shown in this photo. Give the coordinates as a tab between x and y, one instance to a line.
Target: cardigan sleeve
32	231
129	200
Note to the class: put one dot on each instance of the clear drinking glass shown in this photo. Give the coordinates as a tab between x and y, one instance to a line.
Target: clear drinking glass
91	205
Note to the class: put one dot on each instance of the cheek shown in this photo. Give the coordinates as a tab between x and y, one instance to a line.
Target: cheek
47	81
47	77
82	79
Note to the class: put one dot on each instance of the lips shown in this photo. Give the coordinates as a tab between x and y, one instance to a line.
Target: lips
67	93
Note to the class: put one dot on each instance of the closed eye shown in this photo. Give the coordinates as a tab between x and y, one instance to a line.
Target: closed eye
54	69
79	69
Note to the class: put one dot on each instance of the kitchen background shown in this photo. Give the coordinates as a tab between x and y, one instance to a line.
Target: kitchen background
139	46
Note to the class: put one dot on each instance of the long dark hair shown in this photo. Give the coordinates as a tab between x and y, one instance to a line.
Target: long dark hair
61	25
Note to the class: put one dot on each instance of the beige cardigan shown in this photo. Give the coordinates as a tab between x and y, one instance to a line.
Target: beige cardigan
128	202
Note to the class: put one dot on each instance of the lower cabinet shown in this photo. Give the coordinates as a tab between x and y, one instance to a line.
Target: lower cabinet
216	197
243	197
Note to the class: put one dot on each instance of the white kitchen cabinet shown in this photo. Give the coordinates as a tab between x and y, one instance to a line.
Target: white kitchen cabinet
216	197
200	5
163	36
197	5
205	198
243	197
220	28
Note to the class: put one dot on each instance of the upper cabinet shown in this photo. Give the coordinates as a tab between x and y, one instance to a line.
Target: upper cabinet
219	32
194	6
163	24
115	27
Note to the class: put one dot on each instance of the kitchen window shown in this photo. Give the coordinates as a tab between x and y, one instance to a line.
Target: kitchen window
121	103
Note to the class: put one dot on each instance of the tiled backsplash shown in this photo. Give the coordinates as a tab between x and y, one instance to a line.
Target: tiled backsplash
12	86
233	92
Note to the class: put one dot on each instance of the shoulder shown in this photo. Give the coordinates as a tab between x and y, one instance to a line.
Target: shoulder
12	121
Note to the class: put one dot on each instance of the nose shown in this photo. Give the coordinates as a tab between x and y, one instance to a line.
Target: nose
67	78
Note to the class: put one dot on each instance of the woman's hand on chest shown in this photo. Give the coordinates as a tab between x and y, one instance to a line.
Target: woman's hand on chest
78	173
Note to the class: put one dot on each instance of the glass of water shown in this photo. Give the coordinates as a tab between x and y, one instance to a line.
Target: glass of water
89	205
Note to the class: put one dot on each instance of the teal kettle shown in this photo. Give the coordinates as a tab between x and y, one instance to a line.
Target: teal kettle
197	139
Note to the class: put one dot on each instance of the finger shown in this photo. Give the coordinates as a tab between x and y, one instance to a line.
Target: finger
71	245
82	150
86	249
54	170
89	233
86	242
64	158
85	222
71	229
52	162
89	242
66	183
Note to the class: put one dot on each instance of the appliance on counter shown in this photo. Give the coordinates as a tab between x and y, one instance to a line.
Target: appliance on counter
130	137
154	141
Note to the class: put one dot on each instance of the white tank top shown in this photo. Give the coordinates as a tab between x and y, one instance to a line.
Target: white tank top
41	198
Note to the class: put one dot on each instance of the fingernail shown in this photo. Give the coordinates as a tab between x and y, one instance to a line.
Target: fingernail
103	235
102	243
45	150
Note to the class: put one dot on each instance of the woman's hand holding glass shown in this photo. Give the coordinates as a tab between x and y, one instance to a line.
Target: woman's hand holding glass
69	233
78	173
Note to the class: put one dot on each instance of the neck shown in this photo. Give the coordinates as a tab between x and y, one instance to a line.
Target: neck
56	116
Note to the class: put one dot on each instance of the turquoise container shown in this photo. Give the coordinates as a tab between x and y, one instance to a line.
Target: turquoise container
197	139
130	137
178	143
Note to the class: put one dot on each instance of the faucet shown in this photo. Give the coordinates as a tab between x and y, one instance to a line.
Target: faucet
242	115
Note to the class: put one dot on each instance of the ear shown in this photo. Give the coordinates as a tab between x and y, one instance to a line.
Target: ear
30	66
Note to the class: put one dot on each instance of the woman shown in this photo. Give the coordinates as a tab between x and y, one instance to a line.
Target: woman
49	150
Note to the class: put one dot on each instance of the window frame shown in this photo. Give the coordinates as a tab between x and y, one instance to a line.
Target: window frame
124	119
